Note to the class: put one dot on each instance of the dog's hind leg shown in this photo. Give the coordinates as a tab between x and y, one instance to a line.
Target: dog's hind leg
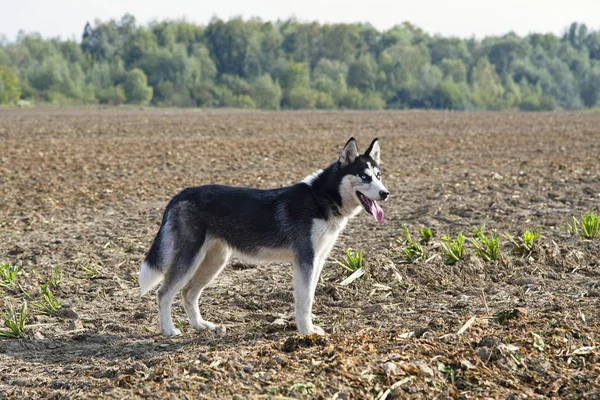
217	254
188	256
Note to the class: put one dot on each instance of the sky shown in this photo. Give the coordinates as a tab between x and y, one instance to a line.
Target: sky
462	18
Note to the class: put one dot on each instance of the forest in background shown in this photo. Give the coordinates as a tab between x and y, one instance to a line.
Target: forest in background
294	65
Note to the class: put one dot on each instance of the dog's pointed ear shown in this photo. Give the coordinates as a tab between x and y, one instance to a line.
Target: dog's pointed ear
374	151
349	152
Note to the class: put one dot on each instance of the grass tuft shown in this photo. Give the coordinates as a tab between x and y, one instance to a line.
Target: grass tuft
8	275
14	322
413	251
353	260
426	235
90	270
453	250
57	277
50	305
488	248
179	325
525	244
588	227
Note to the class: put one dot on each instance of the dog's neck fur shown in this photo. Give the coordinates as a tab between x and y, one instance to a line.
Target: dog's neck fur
325	185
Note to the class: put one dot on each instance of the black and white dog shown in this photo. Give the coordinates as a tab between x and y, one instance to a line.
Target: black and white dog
203	226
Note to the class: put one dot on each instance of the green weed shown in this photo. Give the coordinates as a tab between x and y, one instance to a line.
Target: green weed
14	322
179	325
486	247
49	305
8	275
525	244
447	369
453	250
57	277
413	251
426	235
588	227
352	261
91	272
302	388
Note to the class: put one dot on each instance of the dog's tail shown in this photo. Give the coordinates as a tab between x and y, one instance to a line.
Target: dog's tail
149	277
152	271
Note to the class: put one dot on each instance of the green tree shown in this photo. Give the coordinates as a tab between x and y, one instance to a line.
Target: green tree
228	44
136	87
423	90
238	85
449	95
113	95
301	41
208	69
502	52
362	73
295	75
404	65
266	93
372	101
263	49
10	89
454	70
339	42
56	80
533	99
138	45
329	76
511	98
442	48
352	99
592	44
590	86
301	98
335	88
332	69
336	65
486	88
325	101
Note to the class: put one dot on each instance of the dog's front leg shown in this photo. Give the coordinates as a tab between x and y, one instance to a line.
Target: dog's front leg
305	271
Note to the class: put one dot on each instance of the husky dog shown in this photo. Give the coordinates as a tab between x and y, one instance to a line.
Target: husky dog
203	226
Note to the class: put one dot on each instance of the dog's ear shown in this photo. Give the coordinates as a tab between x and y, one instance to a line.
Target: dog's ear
349	153
374	151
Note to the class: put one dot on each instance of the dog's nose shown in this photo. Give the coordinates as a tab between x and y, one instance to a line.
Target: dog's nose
383	194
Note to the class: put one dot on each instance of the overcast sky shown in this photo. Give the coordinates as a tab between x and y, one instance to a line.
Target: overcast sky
464	18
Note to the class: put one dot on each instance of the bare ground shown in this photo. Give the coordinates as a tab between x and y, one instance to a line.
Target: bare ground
86	189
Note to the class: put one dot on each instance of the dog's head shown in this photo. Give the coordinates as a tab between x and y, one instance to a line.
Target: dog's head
361	182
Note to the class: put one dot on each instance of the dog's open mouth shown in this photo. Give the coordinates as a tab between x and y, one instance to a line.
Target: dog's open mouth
371	206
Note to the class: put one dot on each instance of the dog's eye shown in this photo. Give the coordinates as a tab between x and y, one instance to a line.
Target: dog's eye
379	176
364	177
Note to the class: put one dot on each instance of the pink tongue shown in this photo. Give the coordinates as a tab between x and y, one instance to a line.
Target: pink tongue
376	211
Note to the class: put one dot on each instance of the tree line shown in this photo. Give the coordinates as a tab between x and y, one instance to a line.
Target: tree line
294	65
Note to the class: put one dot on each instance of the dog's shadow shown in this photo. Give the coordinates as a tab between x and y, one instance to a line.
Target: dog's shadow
89	346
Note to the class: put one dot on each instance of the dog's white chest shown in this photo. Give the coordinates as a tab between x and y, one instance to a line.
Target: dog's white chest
325	233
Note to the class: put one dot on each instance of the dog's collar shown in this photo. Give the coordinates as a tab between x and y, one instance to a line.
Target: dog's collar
335	210
325	200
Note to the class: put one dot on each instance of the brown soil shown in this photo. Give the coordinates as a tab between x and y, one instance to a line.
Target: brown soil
86	188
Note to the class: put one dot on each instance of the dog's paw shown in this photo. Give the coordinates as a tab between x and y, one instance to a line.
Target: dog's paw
312	330
203	325
172	331
317	330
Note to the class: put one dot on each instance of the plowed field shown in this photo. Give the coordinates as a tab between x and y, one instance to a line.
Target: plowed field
82	192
